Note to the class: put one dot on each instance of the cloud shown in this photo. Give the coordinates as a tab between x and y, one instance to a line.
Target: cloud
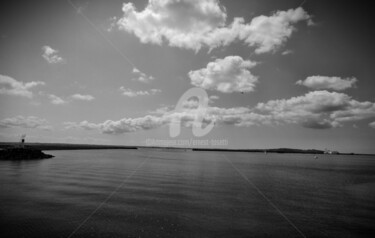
142	77
318	109
213	97
183	23
231	116
81	125
287	52
121	126
226	75
314	110
131	93
372	124
51	55
83	97
25	122
162	110
193	102
11	86
65	100
56	100
130	124
325	82
313	123
193	24
268	33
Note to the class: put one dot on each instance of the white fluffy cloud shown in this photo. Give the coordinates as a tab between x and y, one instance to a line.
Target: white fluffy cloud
193	24
227	75
11	86
83	97
182	23
131	93
268	33
316	110
325	82
25	122
51	55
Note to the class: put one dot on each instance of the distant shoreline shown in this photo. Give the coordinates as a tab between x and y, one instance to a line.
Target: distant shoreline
66	146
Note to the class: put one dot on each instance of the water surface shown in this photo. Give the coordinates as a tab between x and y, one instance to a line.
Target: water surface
130	193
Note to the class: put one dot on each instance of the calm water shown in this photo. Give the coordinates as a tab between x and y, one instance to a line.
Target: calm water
129	193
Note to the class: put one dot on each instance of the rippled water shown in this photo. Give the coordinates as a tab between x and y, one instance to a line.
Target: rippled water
129	193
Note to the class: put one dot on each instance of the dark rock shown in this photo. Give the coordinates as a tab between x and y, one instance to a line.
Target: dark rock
22	154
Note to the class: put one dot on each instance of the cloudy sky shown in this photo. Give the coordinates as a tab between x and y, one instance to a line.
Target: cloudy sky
278	73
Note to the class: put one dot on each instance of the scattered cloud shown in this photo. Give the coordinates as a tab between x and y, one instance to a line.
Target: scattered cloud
325	82
83	97
81	125
11	86
142	77
112	23
162	109
193	24
130	124
213	97
56	100
287	52
227	75
51	55
372	124
131	93
315	110
25	122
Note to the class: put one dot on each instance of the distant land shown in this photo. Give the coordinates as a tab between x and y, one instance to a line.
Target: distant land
66	146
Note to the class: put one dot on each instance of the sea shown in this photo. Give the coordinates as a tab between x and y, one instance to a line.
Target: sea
153	193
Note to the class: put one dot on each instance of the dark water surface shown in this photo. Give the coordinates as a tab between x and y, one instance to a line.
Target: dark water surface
129	193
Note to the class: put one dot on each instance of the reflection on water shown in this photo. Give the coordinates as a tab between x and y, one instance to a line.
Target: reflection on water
99	193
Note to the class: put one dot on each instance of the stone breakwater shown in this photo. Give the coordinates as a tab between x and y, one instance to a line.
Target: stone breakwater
23	154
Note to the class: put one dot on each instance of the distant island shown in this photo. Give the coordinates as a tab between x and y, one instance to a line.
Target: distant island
66	146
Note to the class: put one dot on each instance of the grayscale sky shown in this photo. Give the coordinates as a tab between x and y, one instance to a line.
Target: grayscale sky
278	73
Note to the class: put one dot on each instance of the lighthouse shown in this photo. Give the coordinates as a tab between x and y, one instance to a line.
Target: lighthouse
22	144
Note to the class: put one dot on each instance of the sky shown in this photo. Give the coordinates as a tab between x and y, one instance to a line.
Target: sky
296	74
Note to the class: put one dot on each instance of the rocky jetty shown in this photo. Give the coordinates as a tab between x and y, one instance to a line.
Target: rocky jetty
22	154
